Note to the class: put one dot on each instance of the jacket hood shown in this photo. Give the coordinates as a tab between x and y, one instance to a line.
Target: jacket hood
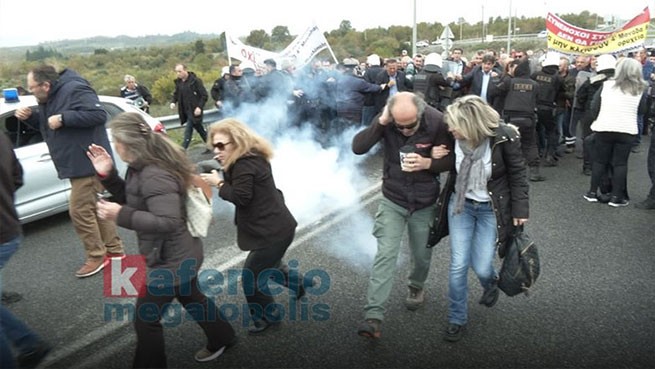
67	75
522	69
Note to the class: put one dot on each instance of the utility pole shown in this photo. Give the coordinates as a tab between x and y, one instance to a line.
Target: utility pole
483	23
509	28
414	32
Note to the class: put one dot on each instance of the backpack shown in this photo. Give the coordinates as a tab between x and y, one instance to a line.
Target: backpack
520	267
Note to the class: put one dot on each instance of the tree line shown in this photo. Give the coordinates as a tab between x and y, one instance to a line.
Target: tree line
152	65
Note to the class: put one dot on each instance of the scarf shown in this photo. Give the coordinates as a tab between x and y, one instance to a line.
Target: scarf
471	175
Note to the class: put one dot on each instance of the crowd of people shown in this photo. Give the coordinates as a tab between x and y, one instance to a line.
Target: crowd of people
491	122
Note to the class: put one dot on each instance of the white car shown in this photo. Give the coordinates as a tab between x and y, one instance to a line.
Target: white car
543	34
422	43
43	193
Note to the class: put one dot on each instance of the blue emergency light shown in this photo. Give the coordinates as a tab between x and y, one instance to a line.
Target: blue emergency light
11	95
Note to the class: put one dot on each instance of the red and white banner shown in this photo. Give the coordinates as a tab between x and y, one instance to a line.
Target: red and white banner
572	40
242	52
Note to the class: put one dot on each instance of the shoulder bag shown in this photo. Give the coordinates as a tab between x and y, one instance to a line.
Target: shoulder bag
199	207
520	267
439	227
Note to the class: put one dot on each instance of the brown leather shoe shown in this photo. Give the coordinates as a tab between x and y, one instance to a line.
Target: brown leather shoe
90	267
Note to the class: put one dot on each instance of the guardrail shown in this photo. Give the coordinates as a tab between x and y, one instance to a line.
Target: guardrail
172	122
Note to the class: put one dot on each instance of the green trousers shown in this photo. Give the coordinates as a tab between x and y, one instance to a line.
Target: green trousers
390	223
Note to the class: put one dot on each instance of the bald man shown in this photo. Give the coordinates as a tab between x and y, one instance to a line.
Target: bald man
410	188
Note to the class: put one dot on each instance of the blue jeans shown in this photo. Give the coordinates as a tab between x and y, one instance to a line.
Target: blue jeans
391	220
12	329
472	244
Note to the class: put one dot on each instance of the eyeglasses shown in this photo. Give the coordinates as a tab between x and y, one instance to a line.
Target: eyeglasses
221	145
30	88
407	126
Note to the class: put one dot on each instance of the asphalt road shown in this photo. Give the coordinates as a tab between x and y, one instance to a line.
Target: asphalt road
592	306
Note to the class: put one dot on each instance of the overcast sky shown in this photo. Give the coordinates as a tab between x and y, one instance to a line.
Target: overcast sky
29	22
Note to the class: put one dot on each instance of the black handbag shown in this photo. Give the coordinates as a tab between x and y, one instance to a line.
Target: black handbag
520	267
439	227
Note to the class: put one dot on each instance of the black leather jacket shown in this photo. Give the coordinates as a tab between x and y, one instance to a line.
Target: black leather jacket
508	186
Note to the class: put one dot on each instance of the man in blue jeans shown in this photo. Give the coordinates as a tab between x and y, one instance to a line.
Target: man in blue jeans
29	345
410	188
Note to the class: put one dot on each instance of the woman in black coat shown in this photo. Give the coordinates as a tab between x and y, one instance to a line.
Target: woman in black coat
265	226
151	201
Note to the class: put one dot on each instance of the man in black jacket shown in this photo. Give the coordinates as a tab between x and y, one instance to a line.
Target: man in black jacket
410	188
70	118
31	348
190	96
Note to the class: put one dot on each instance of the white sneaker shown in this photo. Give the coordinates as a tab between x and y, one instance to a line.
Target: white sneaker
205	355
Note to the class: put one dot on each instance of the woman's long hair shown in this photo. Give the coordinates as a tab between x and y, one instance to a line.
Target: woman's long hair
145	146
245	140
473	118
628	77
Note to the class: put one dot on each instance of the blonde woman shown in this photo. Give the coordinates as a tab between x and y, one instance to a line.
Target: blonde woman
491	196
265	226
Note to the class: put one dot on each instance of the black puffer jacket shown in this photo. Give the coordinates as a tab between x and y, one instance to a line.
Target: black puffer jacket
153	206
411	190
508	186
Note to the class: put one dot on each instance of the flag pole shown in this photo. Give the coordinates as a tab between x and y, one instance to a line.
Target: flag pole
336	61
227	49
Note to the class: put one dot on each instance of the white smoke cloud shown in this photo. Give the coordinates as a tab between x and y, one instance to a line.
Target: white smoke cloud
317	176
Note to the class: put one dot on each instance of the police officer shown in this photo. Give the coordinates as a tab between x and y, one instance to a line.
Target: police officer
431	85
550	86
520	103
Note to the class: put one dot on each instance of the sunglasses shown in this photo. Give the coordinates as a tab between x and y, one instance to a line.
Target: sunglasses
221	145
406	127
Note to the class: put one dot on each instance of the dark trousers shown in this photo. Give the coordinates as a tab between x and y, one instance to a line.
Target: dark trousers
256	269
150	347
651	166
192	124
528	131
546	118
611	148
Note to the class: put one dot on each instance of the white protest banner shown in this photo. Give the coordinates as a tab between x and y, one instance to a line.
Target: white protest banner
239	51
305	47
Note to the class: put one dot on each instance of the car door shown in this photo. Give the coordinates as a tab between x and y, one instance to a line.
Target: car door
42	193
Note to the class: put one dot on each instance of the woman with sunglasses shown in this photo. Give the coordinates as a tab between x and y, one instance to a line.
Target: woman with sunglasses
491	196
265	226
150	201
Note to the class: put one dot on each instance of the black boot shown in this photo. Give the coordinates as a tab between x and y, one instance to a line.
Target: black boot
534	175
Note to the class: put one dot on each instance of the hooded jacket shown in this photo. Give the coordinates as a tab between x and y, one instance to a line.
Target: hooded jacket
83	119
189	95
